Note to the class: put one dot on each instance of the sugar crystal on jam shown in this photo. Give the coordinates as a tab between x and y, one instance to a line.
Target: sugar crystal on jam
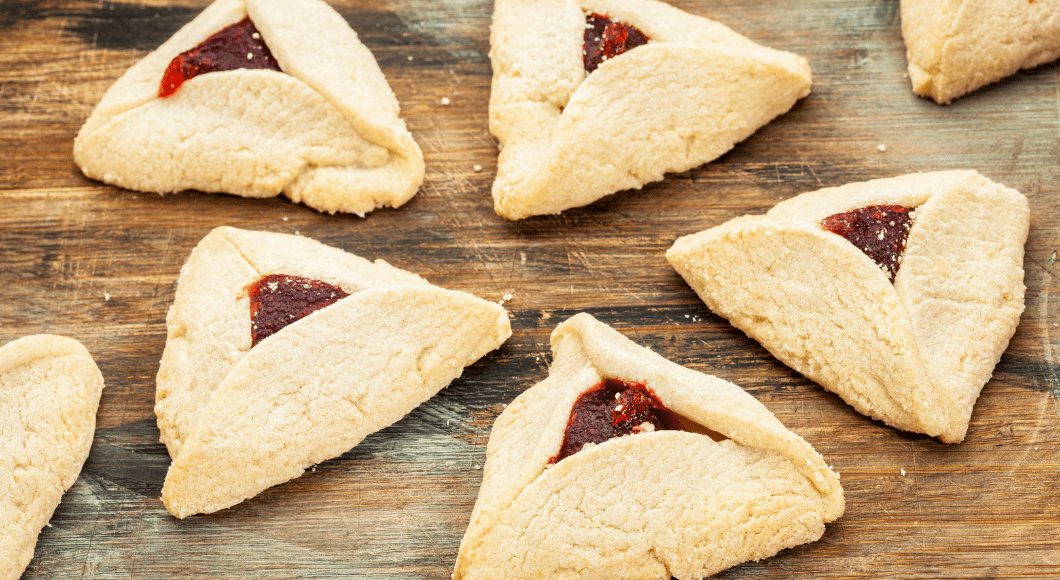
278	300
878	230
614	408
605	39
237	46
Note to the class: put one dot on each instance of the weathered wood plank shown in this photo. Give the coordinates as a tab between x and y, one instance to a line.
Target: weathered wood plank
99	264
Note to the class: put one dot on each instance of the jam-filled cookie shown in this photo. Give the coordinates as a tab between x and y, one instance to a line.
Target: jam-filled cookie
49	392
954	48
282	352
590	97
898	294
256	98
622	464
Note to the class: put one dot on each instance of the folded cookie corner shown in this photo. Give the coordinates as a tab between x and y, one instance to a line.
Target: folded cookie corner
897	294
49	393
623	464
271	97
573	130
282	352
954	50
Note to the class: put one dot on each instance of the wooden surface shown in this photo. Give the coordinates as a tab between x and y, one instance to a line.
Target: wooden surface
99	264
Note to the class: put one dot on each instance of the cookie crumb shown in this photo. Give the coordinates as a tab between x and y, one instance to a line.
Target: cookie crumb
881	147
446	101
903	472
106	296
507	297
477	466
477	168
410	58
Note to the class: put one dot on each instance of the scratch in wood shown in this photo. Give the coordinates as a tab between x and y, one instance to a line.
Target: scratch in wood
814	173
630	292
1031	447
1049	368
570	276
437	552
99	508
1046	269
1058	92
515	250
911	166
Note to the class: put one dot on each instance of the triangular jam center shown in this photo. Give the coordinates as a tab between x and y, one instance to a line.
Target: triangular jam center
605	39
237	46
277	300
614	408
878	230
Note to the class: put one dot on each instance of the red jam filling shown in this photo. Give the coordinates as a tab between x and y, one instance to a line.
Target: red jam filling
277	300
605	38
238	46
878	230
612	409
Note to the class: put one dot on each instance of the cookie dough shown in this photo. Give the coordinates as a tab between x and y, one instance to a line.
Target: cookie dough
238	419
914	354
685	98
325	131
957	46
49	393
650	505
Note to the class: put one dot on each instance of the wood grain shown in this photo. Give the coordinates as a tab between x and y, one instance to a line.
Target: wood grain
99	264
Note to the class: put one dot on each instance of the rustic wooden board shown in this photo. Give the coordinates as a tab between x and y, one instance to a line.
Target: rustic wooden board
99	264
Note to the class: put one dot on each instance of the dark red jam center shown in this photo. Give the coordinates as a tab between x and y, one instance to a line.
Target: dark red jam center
878	230
612	409
238	46
605	38
277	300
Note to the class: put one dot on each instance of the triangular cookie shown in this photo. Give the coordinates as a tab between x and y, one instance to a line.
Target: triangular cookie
686	97
914	354
243	405
958	46
325	131
49	392
654	504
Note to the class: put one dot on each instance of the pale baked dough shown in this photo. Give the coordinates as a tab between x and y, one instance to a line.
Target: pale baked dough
238	420
956	46
646	506
568	139
49	392
325	132
914	354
